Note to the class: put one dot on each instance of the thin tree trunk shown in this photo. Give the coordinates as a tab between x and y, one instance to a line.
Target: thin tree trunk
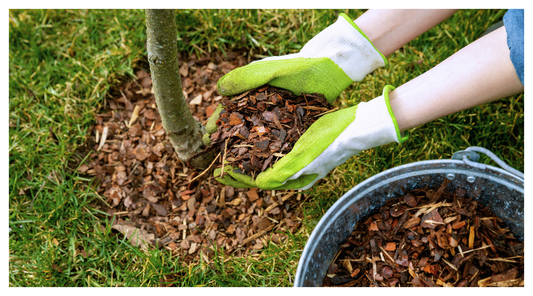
184	131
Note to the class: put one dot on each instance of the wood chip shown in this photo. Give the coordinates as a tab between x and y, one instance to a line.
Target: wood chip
134	115
103	139
196	101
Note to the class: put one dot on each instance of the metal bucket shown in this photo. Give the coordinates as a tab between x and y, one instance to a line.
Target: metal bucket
500	190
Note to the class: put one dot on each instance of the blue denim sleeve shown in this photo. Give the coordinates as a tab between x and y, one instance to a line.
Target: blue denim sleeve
514	26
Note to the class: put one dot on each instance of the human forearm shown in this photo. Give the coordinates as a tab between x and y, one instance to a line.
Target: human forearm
479	73
390	29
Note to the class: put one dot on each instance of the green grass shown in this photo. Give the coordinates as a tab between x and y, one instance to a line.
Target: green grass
62	64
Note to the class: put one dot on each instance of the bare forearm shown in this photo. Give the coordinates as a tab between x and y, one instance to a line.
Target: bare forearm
479	73
390	29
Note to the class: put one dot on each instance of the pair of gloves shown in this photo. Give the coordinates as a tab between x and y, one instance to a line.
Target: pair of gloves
327	64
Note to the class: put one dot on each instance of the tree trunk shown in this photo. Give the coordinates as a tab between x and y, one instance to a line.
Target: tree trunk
184	132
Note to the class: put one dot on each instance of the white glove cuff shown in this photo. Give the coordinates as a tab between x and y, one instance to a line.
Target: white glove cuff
344	44
373	126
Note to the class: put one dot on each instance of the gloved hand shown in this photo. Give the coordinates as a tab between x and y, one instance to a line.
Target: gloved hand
211	125
329	142
327	64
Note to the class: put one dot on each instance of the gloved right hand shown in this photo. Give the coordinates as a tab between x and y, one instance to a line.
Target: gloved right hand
327	64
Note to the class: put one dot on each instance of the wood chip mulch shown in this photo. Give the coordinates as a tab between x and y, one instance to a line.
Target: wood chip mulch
144	187
430	238
259	127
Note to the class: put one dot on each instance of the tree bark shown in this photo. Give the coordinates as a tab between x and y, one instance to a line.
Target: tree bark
184	132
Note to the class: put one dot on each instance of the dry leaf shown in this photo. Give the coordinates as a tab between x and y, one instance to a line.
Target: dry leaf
138	237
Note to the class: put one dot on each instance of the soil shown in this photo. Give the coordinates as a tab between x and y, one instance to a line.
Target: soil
142	185
429	238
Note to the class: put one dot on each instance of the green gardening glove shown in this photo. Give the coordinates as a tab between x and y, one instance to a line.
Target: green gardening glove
211	125
329	142
327	64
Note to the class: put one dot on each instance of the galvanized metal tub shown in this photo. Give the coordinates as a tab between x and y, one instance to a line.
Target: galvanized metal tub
498	189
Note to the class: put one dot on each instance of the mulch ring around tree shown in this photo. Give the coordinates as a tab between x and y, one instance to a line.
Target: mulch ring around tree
146	190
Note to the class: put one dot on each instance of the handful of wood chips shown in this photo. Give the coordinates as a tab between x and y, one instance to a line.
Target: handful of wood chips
260	126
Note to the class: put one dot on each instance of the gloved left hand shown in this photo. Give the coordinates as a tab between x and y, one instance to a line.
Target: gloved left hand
329	142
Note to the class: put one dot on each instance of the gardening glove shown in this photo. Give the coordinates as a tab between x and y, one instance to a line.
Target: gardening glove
329	142
211	125
327	64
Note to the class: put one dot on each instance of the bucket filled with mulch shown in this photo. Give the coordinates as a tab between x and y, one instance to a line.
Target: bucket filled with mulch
435	223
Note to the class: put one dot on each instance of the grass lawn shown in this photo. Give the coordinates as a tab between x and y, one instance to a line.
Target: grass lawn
63	63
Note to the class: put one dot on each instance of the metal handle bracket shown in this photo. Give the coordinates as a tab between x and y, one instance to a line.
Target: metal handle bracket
470	157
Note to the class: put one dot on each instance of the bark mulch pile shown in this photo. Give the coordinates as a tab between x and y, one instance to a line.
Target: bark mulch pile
145	189
430	238
260	126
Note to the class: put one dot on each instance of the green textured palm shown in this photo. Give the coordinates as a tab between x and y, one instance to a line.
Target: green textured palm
310	145
299	75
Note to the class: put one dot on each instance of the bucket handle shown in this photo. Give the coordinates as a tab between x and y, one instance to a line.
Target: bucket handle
470	157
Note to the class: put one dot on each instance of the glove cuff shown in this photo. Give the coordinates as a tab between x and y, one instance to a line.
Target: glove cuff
375	124
400	137
351	22
350	49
